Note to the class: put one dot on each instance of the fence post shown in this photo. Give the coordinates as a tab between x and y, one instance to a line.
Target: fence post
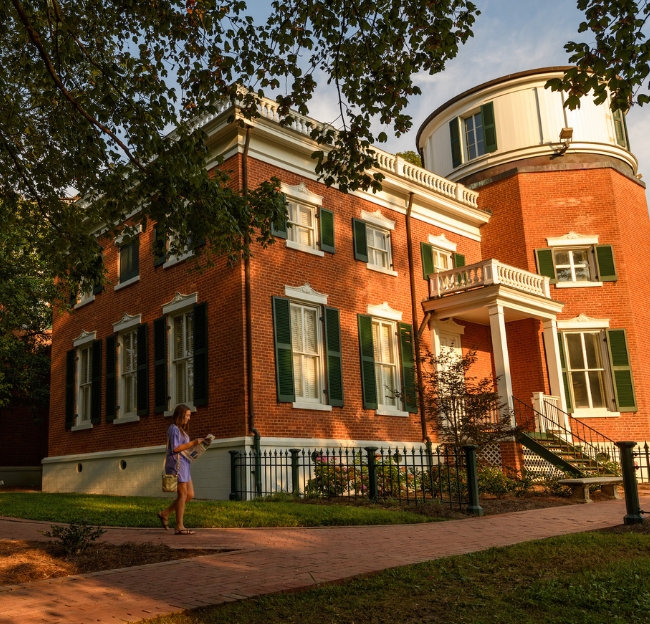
373	491
295	471
234	476
473	506
633	515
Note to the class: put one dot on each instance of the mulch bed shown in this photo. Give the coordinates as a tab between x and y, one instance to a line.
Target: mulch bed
25	561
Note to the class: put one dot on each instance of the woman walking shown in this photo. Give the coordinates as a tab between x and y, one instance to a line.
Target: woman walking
178	440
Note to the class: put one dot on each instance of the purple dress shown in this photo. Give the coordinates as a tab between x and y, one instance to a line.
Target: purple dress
176	437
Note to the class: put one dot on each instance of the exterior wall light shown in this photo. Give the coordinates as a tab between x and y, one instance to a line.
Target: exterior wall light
566	134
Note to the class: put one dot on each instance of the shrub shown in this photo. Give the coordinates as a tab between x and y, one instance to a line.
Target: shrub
492	480
76	537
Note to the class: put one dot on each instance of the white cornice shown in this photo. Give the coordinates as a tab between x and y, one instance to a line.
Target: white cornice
127	321
179	302
571	239
383	310
84	337
442	242
301	194
376	218
582	321
305	293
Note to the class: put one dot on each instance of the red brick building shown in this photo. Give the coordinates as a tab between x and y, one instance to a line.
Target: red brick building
331	319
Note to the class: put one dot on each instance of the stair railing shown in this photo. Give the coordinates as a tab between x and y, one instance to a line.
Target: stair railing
597	450
606	447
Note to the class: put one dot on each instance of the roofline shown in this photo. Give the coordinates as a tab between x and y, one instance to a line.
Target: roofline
485	85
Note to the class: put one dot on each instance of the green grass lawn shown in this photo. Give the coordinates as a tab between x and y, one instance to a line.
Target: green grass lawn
141	511
588	578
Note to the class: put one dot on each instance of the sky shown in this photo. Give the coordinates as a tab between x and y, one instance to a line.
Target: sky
509	36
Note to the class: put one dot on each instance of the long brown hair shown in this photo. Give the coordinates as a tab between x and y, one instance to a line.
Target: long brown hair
179	416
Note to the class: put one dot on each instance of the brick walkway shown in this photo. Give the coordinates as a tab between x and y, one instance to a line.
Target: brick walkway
268	560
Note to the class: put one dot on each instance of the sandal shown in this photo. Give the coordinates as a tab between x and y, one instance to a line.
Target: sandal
184	532
163	521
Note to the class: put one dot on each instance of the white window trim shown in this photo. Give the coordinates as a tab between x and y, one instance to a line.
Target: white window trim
578	284
374	267
386	411
301	194
84	337
305	293
86	424
572	239
599	412
126	419
319	403
171	374
463	134
306	248
321	407
127	322
83	302
378	219
590	263
389	251
442	243
384	311
128	282
172	260
180	302
583	322
121	415
87	344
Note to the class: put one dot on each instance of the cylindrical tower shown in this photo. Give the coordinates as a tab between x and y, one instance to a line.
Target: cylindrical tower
566	202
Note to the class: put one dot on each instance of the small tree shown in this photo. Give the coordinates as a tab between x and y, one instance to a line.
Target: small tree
463	409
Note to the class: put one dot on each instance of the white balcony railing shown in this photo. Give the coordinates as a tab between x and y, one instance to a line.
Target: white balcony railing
487	273
268	109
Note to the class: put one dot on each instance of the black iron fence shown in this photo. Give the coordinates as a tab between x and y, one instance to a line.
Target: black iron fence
411	476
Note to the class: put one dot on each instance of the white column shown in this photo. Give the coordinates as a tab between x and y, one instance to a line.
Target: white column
553	363
500	351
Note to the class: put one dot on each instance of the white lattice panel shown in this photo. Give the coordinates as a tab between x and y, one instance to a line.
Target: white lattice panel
491	454
537	466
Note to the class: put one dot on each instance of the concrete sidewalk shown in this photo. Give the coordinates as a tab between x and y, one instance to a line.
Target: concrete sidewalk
268	560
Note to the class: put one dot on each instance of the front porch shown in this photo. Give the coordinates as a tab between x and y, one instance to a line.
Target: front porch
494	294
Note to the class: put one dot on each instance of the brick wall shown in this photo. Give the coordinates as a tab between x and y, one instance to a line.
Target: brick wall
529	207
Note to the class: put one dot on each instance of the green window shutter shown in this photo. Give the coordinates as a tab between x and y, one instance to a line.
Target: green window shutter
545	264
98	288
96	385
565	374
334	360
489	128
279	228
69	387
454	133
142	374
360	240
459	260
367	351
129	261
111	381
409	393
619	357
73	297
200	314
426	253
160	365
159	245
605	263
620	129
283	350
326	230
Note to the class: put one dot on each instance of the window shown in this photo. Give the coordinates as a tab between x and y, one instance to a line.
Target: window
474	144
183	358
586	369
378	241
442	260
129	261
572	265
620	129
306	341
129	368
85	384
386	360
302	228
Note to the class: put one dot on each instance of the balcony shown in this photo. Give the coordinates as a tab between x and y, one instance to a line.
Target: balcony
487	273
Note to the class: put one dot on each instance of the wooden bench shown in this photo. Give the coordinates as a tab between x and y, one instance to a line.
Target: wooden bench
580	487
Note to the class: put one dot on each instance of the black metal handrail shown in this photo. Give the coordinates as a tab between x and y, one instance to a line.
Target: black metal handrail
603	453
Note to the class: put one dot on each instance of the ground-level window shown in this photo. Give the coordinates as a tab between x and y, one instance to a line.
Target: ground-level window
572	265
85	383
306	345
183	358
386	363
379	253
129	368
586	369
